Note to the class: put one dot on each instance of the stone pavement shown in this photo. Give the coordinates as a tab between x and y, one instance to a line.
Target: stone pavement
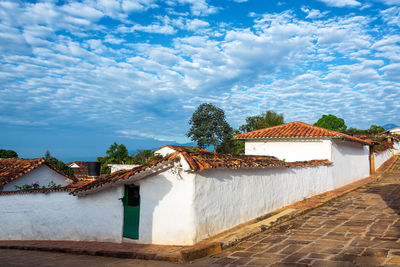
361	228
23	258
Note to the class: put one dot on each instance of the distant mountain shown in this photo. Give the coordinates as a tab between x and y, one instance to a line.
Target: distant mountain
389	126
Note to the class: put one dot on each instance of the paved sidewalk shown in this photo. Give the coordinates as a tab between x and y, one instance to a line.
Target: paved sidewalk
210	246
361	228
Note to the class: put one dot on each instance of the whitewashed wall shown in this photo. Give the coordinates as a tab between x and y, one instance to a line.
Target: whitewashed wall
350	162
118	167
396	147
225	198
43	174
289	150
166	209
60	216
381	157
164	151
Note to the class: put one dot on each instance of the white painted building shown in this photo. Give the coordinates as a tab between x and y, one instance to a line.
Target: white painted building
395	130
118	167
170	149
179	200
16	172
297	141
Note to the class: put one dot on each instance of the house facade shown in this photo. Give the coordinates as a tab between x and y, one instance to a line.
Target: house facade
15	172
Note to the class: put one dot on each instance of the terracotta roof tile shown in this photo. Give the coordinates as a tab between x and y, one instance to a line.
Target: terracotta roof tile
14	168
82	171
199	161
297	129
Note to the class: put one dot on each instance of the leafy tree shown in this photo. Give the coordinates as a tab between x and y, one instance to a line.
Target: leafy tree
331	122
8	153
264	120
116	154
375	129
231	145
58	163
208	126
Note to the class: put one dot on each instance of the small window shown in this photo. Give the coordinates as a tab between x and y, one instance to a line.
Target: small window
133	196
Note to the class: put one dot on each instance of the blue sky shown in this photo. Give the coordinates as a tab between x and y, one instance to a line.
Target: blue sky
76	76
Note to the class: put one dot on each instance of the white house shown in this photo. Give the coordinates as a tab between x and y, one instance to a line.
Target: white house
178	200
301	141
18	172
169	149
395	130
119	167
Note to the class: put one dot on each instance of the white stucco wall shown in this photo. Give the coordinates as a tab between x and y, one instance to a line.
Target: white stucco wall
350	162
166	209
225	198
396	147
118	167
395	130
60	216
164	151
43	174
289	150
381	157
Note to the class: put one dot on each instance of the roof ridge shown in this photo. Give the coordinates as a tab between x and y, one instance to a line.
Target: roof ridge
297	129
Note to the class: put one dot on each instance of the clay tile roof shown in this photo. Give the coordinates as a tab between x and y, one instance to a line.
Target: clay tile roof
14	168
199	161
122	174
184	148
82	171
297	129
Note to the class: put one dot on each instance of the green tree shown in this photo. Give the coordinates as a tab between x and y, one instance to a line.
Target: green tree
231	145
375	129
116	154
58	163
8	153
144	156
264	120
331	122
208	126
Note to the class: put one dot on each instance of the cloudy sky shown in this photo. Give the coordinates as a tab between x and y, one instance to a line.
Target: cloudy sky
77	75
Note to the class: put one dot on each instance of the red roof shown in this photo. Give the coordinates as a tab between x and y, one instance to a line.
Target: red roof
82	171
14	168
199	161
297	129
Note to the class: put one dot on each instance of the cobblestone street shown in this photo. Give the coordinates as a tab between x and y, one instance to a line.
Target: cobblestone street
361	228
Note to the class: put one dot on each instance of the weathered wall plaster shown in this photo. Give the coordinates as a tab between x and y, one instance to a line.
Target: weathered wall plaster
60	216
166	209
118	167
350	162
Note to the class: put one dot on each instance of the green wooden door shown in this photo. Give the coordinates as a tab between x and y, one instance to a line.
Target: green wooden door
131	211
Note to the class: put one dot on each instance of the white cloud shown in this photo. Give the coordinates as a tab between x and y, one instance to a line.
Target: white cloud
153	28
197	7
341	3
313	13
391	16
300	67
392	72
389	2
